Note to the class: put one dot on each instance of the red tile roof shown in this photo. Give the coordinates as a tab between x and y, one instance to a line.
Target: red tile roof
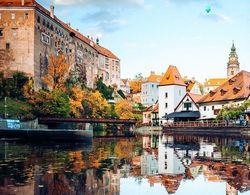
154	78
172	77
236	88
33	3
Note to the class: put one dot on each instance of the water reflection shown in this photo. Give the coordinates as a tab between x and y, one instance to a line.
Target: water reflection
158	164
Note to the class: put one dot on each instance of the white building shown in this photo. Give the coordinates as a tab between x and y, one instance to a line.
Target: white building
125	87
171	91
235	91
187	109
149	93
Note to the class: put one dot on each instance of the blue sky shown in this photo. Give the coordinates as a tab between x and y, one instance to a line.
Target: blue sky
152	34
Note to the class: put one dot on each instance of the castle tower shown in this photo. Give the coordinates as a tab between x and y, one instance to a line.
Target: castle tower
233	65
172	89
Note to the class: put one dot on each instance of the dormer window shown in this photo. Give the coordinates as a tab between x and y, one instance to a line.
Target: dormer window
236	89
223	91
231	81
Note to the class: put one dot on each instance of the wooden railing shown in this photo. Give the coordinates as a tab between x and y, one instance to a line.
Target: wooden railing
221	123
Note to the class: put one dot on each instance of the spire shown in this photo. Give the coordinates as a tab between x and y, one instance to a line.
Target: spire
233	47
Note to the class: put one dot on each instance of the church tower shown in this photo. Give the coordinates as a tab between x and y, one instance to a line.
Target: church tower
233	65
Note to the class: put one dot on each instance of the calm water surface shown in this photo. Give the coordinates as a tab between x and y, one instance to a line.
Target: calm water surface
155	164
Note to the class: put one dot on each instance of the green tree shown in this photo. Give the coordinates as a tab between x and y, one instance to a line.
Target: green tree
107	92
52	104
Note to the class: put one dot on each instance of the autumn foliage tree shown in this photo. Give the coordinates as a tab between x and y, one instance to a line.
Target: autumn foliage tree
95	106
57	72
124	109
77	96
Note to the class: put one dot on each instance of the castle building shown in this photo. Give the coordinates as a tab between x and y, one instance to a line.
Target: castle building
233	65
30	34
172	89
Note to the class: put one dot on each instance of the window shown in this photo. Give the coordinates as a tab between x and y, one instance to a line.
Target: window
187	106
205	108
152	85
1	32
7	45
45	38
180	92
166	105
232	72
14	32
212	107
38	19
0	16
13	16
166	95
26	15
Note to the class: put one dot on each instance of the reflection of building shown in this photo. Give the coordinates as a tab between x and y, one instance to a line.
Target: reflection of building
168	161
209	150
230	190
149	165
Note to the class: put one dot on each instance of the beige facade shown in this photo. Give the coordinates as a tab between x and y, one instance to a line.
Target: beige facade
30	34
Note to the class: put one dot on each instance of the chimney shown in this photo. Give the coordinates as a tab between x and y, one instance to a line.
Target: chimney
97	41
152	72
69	24
23	2
52	9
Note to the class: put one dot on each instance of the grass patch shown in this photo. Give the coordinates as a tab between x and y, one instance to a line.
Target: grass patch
16	109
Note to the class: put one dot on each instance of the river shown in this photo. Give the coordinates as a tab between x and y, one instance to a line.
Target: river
144	165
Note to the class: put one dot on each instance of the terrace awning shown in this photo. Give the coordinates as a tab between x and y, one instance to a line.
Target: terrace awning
184	114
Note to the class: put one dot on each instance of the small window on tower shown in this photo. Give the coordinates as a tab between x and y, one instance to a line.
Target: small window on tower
166	105
7	45
1	32
232	72
13	16
0	16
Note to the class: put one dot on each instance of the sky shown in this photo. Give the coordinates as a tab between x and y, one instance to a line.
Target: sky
150	35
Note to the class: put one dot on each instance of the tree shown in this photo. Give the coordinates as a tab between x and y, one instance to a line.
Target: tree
124	109
95	106
13	86
233	111
107	92
76	98
57	72
51	104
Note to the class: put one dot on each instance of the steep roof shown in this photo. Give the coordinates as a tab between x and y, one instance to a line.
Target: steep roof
195	97
172	77
215	81
238	87
153	78
33	3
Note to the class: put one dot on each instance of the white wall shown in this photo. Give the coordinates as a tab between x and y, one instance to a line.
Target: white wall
181	106
175	95
149	93
208	113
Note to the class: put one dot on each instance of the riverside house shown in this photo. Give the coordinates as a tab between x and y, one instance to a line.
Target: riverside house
234	91
149	89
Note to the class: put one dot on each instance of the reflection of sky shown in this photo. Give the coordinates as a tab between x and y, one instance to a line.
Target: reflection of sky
188	187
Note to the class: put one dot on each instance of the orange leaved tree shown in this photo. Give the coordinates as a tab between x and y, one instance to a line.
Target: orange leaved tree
124	109
57	72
